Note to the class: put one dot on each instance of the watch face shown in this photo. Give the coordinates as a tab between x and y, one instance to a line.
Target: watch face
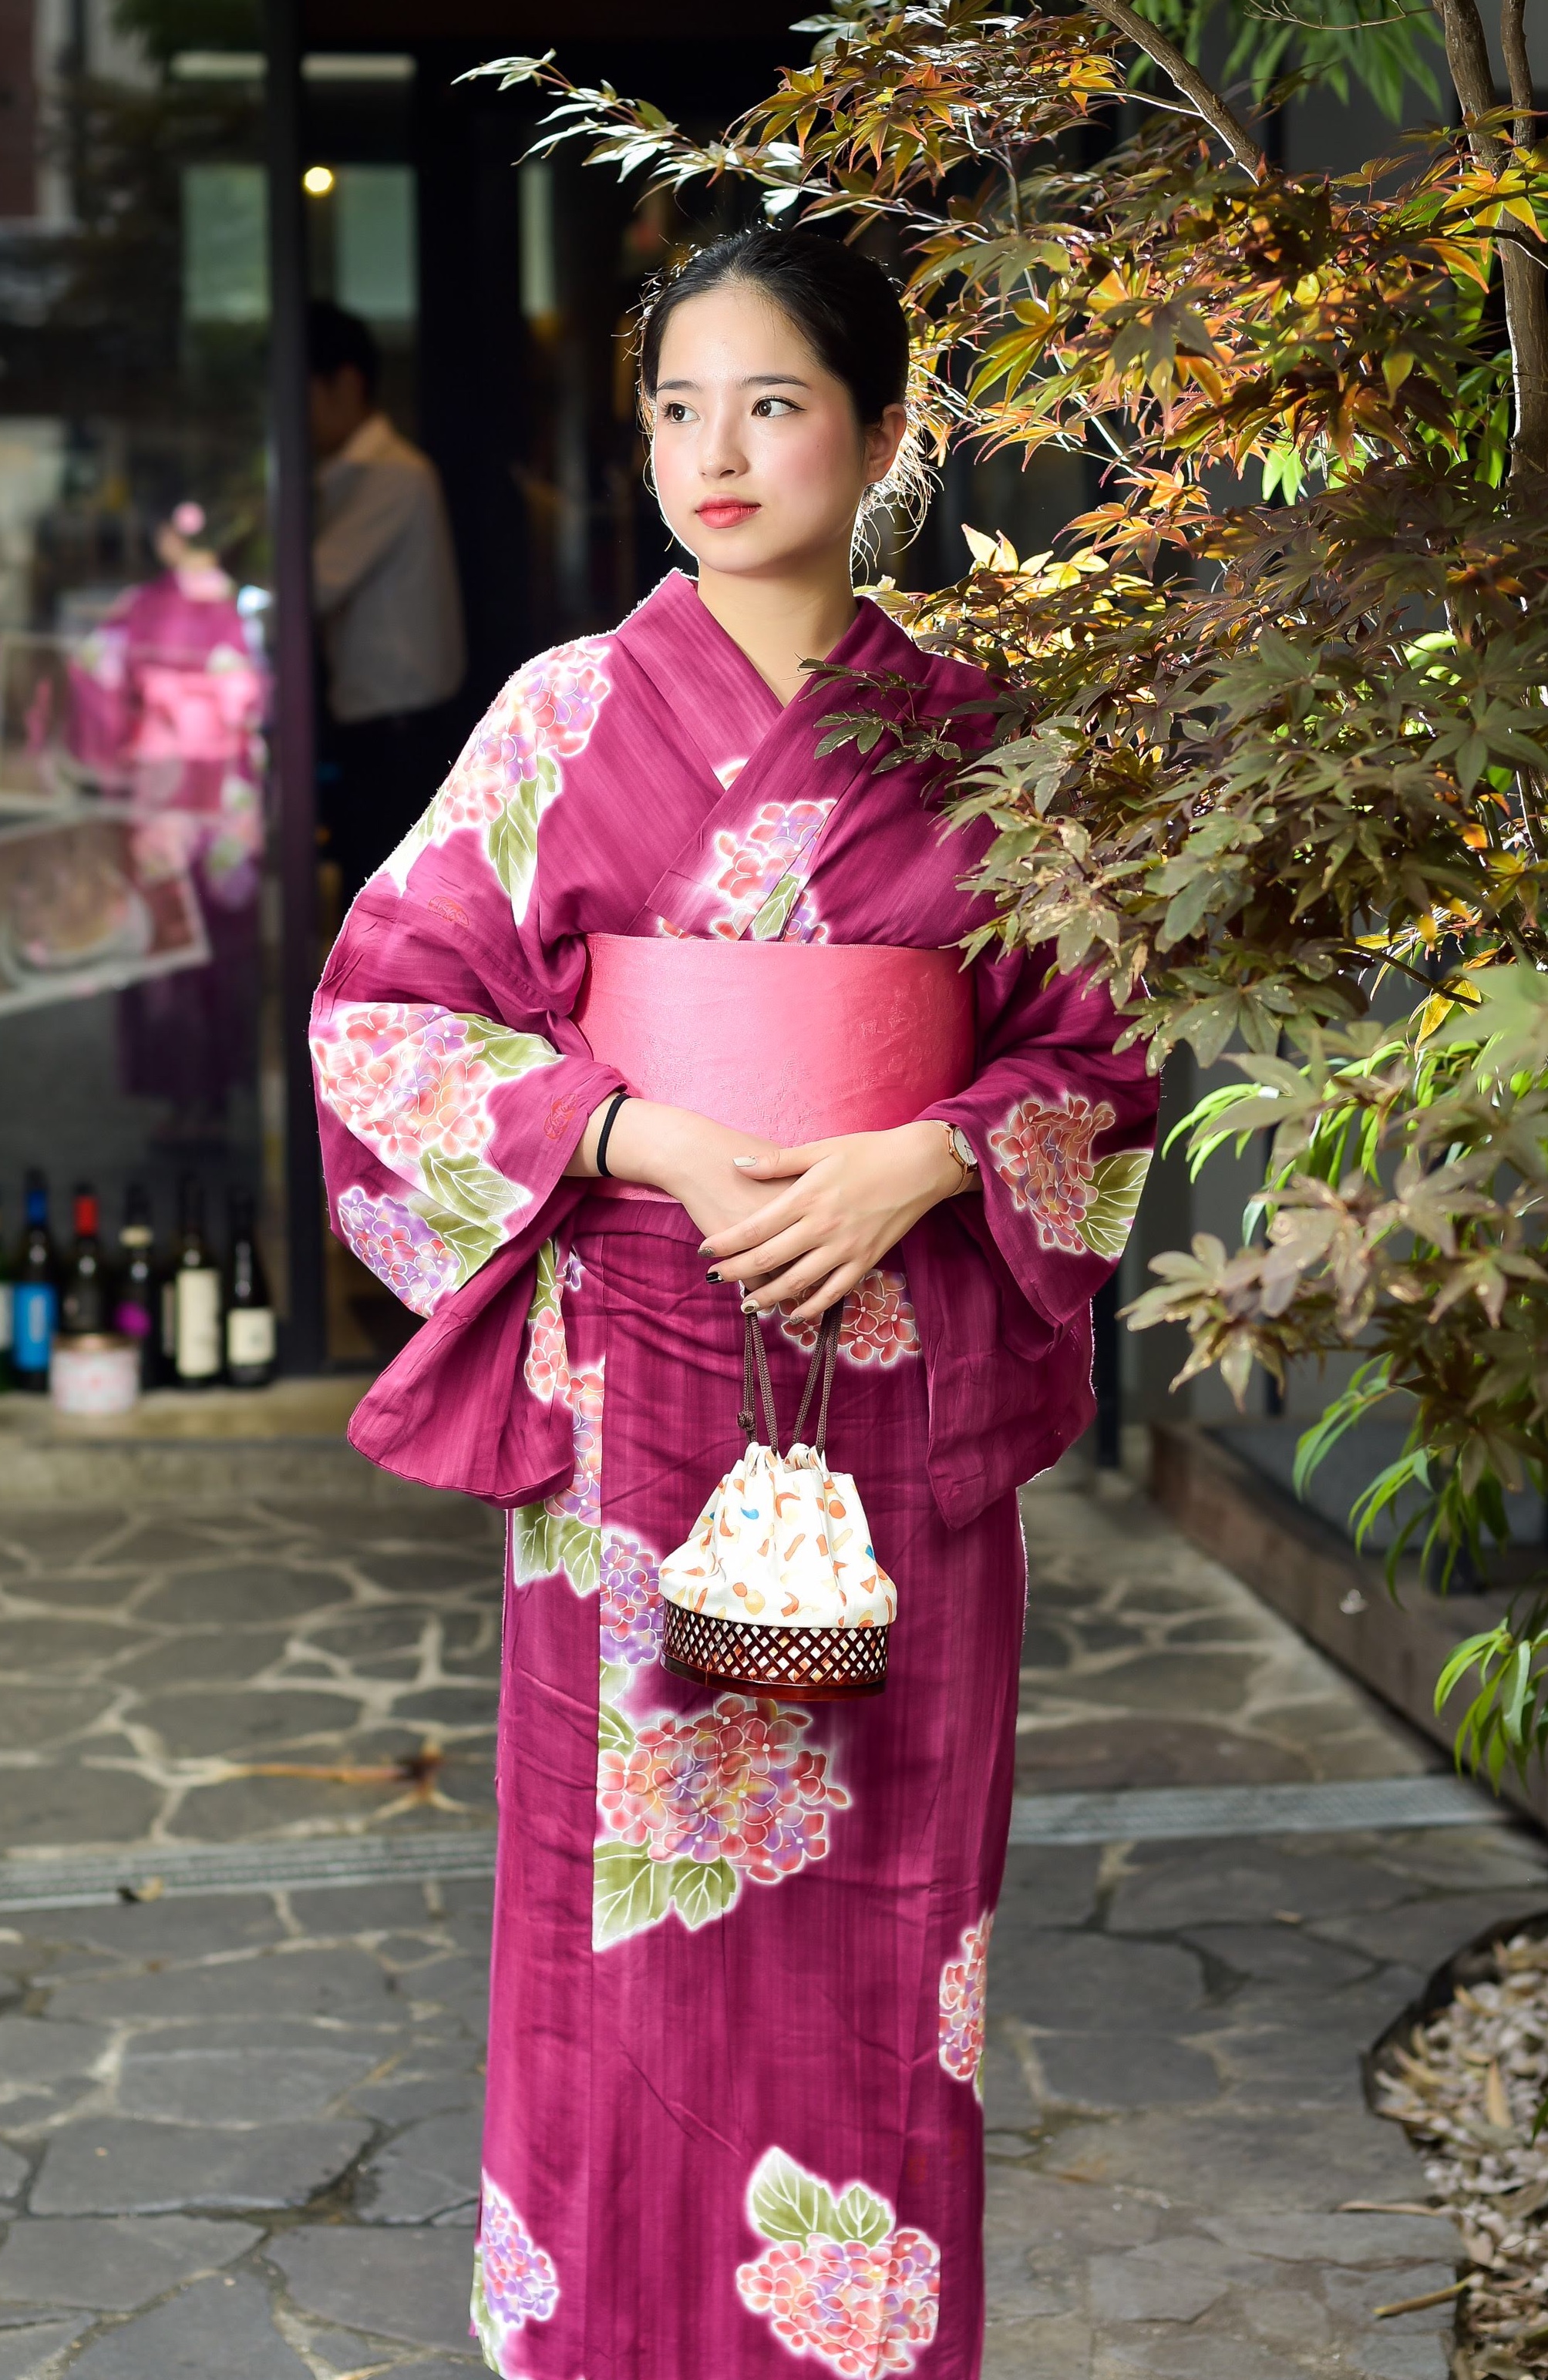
962	1147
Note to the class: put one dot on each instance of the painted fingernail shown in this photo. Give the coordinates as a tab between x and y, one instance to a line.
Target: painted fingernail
750	1306
712	1276
744	1161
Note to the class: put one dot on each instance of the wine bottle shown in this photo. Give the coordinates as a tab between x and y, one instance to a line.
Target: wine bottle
35	1291
196	1346
8	1317
83	1302
137	1296
249	1314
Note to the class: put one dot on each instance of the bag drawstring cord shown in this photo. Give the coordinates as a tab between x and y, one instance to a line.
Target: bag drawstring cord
755	1368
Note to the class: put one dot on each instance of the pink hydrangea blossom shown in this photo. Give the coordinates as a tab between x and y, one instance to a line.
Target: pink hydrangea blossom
1043	1156
630	1614
861	2308
962	2005
406	1079
546	1366
399	1248
581	1500
879	1323
520	2282
736	1783
752	864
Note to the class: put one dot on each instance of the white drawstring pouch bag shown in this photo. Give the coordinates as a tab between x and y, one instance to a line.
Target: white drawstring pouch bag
777	1589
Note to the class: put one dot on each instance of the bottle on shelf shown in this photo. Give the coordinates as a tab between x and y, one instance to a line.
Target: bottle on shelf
250	1313
83	1300
34	1290
137	1296
8	1319
196	1318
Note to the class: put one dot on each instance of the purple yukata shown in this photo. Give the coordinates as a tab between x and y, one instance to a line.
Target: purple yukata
737	2020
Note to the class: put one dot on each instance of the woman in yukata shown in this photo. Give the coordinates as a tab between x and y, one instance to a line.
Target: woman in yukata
738	2011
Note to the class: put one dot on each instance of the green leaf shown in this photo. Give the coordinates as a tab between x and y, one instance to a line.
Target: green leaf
786	2203
472	1243
464	1186
702	1890
545	1290
772	918
616	1677
862	2216
483	2321
613	1731
544	1543
1116	1183
513	838
511	1055
629	1891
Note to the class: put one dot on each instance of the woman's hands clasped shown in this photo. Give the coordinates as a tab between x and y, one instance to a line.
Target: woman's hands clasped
847	1202
793	1227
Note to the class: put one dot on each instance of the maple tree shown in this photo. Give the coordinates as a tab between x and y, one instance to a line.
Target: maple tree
1272	740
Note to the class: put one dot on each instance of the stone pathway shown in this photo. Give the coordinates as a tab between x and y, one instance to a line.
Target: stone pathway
239	2134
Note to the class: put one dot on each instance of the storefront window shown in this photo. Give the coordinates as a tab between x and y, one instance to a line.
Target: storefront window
134	577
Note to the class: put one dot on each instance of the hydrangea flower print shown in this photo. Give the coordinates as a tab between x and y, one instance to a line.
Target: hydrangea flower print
399	1248
752	864
513	2280
736	1782
406	1080
879	1324
546	1366
1043	1157
962	2003
630	1615
547	710
581	1500
840	2279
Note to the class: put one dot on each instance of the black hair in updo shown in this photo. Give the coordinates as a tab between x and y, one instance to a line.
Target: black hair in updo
843	305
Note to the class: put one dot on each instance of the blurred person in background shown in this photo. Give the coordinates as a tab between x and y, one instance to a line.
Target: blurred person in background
386	589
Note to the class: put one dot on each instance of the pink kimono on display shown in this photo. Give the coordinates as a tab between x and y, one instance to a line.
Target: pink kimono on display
740	1944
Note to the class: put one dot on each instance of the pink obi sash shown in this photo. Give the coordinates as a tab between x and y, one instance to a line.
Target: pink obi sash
794	1041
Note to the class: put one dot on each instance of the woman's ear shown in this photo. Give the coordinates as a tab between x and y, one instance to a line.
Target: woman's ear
882	439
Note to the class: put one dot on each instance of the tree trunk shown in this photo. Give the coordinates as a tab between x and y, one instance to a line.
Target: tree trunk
1526	285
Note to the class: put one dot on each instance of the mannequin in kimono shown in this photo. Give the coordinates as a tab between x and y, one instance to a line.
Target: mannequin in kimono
737	2001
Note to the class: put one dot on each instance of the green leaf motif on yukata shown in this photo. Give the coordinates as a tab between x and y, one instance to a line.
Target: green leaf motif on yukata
545	1291
702	1890
464	1186
483	2321
861	2216
775	914
511	1055
786	2203
513	838
616	1676
630	1890
544	1542
613	1731
472	1243
1116	1186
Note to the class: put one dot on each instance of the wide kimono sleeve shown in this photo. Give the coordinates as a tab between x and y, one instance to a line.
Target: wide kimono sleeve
453	1088
1062	1124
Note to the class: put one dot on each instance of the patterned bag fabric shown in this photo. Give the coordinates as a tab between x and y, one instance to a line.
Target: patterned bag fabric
784	1542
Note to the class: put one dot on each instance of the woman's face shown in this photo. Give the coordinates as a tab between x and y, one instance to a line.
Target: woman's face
760	462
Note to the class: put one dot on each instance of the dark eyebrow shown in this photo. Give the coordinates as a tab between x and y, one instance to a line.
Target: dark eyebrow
753	380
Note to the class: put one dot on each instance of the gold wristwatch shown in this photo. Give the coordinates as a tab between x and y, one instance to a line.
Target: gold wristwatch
962	1149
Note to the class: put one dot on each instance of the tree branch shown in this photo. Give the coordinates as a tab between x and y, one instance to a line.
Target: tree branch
1526	296
1204	99
1518	67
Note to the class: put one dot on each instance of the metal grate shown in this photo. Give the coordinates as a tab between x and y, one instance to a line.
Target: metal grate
81	1880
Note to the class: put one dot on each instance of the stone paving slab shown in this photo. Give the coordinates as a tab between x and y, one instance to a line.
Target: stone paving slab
287	2083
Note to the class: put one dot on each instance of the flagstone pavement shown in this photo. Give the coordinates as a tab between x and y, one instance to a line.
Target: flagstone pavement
239	2135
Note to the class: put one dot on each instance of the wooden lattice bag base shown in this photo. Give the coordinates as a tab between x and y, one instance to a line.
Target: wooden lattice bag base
811	1665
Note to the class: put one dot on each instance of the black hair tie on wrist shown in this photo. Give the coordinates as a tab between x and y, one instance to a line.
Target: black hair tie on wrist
609	1120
